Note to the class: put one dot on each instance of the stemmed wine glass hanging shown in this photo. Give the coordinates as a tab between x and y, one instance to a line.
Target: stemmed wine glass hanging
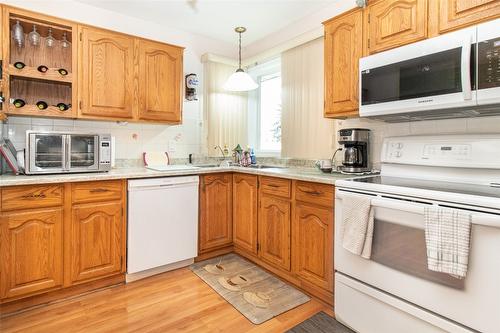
35	39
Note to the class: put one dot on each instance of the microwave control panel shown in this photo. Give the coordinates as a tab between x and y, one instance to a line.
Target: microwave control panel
105	150
489	63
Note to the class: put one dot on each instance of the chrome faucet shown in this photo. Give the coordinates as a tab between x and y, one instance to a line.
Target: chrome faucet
221	151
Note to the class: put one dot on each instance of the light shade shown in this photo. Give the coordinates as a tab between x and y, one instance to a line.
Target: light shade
240	81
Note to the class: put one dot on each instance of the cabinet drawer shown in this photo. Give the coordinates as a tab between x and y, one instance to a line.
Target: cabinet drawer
276	186
96	191
27	197
319	194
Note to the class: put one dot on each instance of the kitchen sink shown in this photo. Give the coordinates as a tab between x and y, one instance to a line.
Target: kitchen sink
206	165
260	166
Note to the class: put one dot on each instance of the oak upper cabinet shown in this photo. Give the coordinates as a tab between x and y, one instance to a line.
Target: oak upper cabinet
95	243
31	252
216	211
106	74
343	48
274	231
245	212
455	14
160	79
393	23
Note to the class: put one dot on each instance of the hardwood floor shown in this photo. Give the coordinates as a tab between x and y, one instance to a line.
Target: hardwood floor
176	301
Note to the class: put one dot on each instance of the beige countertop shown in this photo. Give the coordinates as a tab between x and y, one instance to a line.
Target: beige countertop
306	174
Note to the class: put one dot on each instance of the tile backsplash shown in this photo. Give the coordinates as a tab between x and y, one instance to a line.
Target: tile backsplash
131	138
381	130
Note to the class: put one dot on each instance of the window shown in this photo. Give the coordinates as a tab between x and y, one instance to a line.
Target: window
270	112
264	109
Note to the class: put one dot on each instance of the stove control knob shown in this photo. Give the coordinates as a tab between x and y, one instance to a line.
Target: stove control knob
398	154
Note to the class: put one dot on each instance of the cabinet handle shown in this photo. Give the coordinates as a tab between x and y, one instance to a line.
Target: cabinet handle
272	185
33	196
312	192
98	190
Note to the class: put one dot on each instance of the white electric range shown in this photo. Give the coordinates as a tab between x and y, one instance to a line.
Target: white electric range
394	291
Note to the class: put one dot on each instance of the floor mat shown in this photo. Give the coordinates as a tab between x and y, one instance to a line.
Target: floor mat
256	294
320	323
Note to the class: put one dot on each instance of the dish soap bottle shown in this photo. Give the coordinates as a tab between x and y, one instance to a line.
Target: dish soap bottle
253	157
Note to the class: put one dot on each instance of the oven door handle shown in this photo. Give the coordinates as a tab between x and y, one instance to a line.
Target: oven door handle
478	218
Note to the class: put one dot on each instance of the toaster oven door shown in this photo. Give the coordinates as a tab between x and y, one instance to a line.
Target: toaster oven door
46	153
83	152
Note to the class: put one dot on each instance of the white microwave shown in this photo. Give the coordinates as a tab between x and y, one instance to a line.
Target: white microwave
449	76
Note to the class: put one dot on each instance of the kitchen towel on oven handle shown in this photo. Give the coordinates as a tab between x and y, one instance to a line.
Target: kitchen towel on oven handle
447	237
357	225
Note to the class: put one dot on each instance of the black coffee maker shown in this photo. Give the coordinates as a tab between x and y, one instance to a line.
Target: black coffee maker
356	142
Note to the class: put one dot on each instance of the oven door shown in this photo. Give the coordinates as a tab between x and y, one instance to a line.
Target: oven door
437	73
83	152
46	153
398	265
488	75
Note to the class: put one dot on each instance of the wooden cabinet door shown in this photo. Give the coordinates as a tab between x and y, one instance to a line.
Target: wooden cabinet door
95	243
392	23
455	14
312	244
216	207
343	48
274	231
106	73
160	78
31	252
245	212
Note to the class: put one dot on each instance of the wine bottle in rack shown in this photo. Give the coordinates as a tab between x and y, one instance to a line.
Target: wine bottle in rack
41	105
62	71
19	65
63	106
19	103
42	69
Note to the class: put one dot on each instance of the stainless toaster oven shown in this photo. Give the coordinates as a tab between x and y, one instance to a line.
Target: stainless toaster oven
66	152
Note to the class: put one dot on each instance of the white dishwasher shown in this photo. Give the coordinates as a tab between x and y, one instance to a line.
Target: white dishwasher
162	225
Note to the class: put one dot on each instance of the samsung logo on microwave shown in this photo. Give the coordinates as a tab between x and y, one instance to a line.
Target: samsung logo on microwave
425	101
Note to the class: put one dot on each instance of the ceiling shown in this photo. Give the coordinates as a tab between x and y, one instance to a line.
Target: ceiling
217	18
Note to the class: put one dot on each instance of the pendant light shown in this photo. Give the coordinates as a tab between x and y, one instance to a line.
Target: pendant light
239	80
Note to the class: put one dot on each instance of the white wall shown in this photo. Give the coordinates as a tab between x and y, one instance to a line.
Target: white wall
295	34
132	138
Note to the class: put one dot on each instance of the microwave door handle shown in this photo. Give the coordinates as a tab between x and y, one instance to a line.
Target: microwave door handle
465	68
67	152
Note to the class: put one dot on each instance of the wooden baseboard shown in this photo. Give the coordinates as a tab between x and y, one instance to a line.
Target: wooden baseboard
318	293
10	307
214	253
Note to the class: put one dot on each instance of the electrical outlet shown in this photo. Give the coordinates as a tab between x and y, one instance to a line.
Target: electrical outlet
172	146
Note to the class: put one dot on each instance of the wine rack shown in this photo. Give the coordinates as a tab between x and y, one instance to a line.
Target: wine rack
40	65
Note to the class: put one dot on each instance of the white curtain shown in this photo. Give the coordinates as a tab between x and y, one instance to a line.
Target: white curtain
225	112
306	133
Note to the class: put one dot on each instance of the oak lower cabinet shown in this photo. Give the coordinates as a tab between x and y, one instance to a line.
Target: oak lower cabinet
54	238
274	231
312	244
31	252
106	74
392	23
96	240
245	211
160	79
343	48
216	212
456	14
